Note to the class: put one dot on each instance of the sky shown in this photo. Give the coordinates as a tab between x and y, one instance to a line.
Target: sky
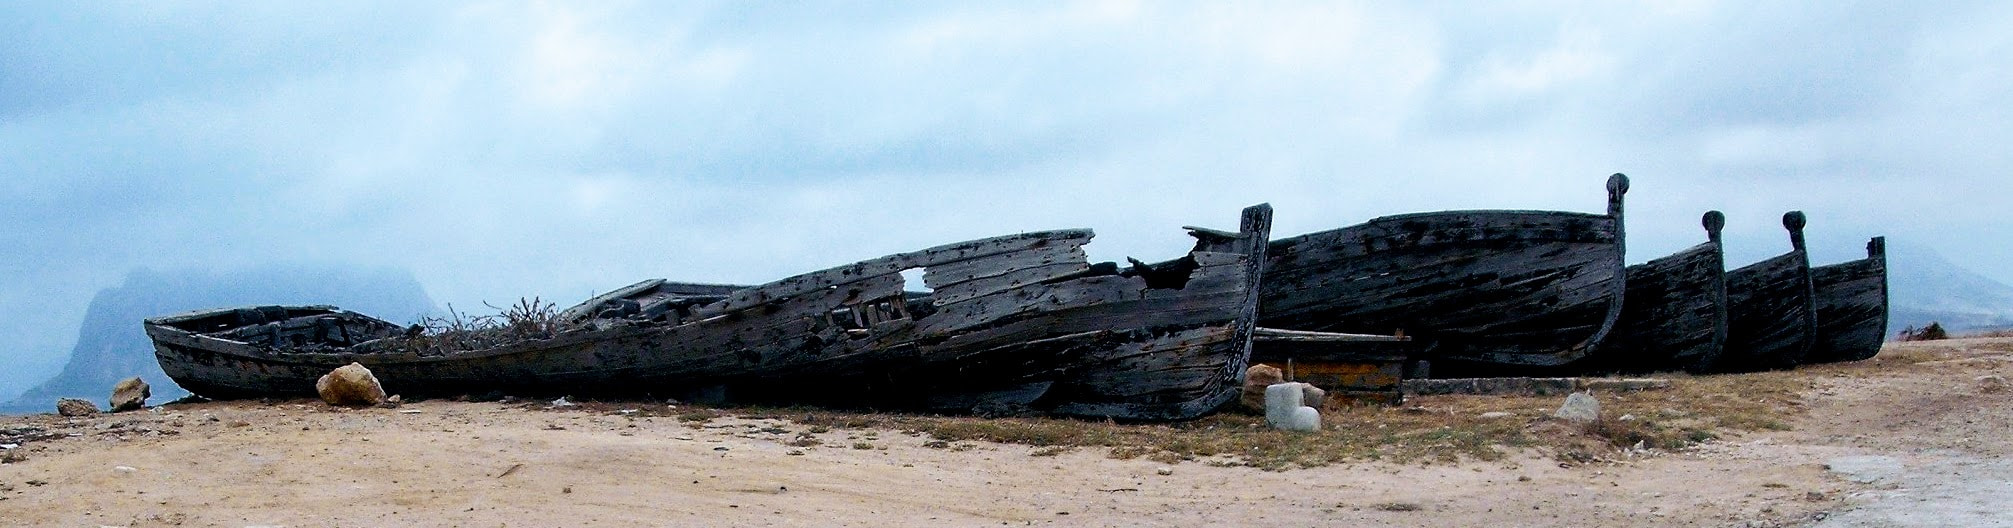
500	150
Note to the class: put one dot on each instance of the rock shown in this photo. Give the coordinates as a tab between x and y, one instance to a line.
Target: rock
1283	409
1990	383
1580	407
1164	471
1312	396
130	395
76	407
1491	415
1256	379
350	385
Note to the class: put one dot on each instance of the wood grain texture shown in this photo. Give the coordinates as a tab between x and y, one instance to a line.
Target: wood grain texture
1851	304
1516	289
1674	315
1771	317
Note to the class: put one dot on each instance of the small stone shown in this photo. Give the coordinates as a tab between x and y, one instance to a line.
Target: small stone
1164	471
76	407
1256	379
1991	383
1580	407
350	385
130	394
125	469
1491	415
1312	396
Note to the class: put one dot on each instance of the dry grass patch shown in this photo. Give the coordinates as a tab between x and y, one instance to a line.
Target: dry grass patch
1426	429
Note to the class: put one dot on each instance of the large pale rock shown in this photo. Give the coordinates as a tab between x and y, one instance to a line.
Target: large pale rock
351	385
1256	379
130	394
1580	407
1284	409
76	407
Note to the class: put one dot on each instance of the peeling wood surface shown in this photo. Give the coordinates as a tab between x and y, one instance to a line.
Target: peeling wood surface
1851	303
1771	317
1488	288
1674	314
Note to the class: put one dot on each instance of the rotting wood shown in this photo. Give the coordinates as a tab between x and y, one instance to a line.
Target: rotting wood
1026	324
1771	316
1674	316
1484	291
1850	299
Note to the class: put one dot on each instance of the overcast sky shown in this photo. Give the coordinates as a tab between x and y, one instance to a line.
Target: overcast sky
500	150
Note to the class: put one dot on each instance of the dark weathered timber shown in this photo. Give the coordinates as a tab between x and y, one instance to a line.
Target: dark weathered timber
1674	315
1851	301
1353	368
1491	290
1127	346
1771	317
1025	323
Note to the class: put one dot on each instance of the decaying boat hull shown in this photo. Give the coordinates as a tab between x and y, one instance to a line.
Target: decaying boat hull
1490	289
1675	312
1771	319
1851	304
851	310
1103	345
1021	316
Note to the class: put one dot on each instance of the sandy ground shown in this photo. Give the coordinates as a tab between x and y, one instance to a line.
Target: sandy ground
1928	448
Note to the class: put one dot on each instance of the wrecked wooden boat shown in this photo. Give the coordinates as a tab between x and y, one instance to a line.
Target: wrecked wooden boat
1484	292
1851	306
1013	320
1164	341
1675	314
1771	317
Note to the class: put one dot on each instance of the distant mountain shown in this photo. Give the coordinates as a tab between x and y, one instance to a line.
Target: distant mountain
1923	287
112	346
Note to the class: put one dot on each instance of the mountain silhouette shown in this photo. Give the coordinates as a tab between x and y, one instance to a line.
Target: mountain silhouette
111	345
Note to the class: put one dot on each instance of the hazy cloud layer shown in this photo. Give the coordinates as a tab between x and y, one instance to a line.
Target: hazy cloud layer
507	149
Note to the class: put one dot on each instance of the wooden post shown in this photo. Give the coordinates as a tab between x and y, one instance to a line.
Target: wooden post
1714	222
1794	221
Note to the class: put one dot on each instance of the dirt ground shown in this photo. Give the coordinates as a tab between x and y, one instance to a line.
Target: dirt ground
1916	442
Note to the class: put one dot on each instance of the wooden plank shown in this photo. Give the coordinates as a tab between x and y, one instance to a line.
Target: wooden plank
894	264
1013	279
950	274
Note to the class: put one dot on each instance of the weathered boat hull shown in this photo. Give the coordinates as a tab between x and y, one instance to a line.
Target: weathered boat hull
1851	304
1121	346
1491	290
1771	317
849	311
1675	312
1017	320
